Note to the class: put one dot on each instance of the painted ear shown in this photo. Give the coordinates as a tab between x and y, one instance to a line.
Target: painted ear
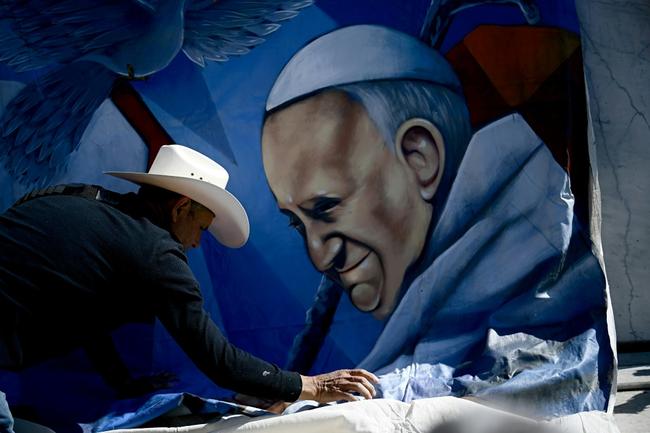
419	145
181	208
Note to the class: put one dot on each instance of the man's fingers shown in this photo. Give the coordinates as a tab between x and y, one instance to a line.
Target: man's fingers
365	383
340	395
358	381
339	385
360	389
351	385
364	373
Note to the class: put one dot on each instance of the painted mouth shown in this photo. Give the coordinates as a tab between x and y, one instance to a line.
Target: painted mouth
363	281
353	265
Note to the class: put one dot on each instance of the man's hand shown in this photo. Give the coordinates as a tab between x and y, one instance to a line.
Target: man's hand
338	385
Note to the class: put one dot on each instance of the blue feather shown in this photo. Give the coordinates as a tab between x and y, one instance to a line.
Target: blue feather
44	153
62	55
296	4
89	30
12	124
229	48
81	102
255	10
194	54
48	117
32	145
237	36
21	163
18	60
60	150
66	129
54	120
28	103
80	129
28	26
4	148
22	139
216	30
106	39
282	15
108	13
63	7
145	5
230	20
7	42
263	29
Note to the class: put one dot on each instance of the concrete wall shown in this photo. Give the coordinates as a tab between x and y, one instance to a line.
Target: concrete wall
616	48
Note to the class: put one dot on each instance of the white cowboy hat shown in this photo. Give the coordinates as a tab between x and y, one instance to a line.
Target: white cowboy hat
185	171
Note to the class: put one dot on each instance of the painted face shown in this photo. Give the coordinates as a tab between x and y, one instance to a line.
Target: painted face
190	225
353	200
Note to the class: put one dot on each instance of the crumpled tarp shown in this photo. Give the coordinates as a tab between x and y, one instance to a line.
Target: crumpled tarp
168	409
435	415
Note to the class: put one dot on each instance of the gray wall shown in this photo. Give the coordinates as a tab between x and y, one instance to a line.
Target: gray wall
616	48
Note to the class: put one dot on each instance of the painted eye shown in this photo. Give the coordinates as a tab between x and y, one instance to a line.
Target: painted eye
295	223
323	207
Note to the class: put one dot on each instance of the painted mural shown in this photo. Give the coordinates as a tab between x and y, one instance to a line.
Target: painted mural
415	173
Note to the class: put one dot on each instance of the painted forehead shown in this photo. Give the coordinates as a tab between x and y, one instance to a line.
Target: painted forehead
329	121
314	140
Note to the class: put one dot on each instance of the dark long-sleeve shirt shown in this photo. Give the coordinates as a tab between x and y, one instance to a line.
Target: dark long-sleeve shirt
72	268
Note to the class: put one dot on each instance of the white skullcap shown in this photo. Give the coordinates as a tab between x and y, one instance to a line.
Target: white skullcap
359	53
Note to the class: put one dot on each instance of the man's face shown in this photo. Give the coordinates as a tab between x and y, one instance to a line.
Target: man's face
355	203
190	223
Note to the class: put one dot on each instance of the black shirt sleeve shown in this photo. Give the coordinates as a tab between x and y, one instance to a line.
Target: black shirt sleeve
179	306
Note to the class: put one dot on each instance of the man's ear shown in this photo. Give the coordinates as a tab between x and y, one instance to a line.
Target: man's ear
181	208
420	146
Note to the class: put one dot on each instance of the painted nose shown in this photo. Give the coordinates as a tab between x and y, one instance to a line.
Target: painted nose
324	253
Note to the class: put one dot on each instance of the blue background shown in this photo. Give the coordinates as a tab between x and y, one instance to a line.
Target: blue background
258	294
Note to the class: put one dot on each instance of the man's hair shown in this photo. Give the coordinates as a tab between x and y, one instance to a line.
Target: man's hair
165	196
157	195
389	103
156	203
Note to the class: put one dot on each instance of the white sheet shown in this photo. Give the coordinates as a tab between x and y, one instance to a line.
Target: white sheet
433	415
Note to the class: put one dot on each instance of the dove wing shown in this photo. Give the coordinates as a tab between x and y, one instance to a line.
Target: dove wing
38	33
216	30
44	122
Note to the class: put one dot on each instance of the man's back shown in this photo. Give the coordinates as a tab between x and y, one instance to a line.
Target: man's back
71	267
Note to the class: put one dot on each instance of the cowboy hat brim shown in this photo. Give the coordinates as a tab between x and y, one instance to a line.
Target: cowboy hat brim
230	225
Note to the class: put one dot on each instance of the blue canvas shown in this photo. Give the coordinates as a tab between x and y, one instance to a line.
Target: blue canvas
505	298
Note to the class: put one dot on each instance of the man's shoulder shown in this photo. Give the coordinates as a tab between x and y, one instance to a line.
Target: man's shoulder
84	214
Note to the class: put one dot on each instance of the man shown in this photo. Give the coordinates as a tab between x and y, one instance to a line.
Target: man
468	248
74	266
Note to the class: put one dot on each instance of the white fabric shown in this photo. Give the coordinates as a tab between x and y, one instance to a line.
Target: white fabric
432	415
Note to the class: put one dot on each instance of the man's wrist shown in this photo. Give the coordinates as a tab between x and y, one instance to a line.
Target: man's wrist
308	391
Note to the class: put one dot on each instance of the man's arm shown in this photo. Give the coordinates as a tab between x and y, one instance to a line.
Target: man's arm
233	368
178	304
